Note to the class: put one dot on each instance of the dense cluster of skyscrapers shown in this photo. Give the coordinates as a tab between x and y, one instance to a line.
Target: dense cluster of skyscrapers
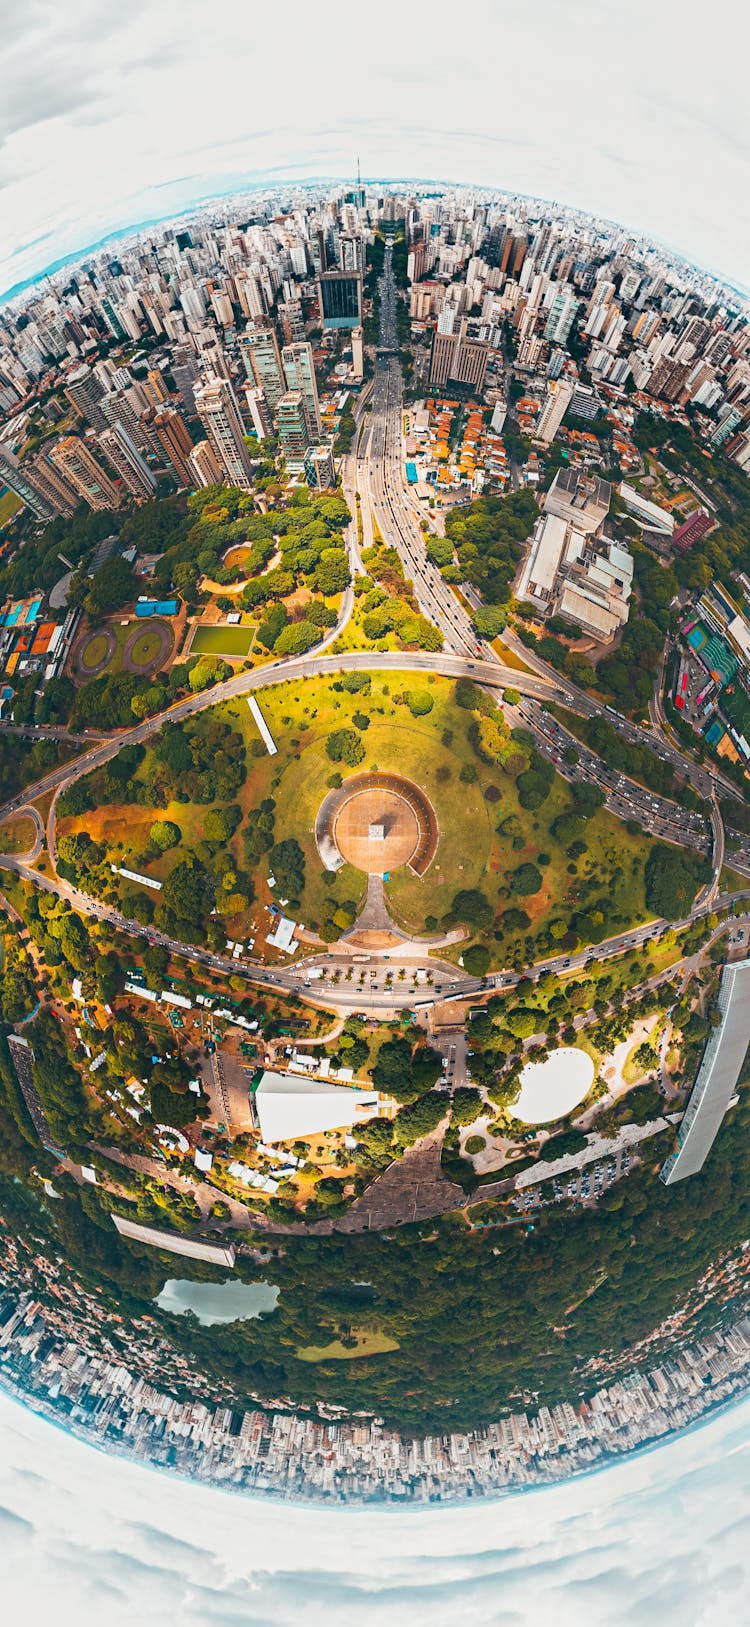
181	351
124	1401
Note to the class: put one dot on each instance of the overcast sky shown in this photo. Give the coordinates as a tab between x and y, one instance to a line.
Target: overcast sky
662	1539
111	112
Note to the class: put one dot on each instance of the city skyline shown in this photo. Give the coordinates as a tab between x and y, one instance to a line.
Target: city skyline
660	161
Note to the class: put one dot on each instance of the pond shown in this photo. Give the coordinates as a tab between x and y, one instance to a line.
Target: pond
553	1088
229	1301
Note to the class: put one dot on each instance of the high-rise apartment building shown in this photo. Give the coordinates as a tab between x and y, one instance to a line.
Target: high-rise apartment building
358	353
84	392
18	477
217	408
563	313
262	361
203	466
52	485
123	455
299	372
559	397
81	469
291	423
118	408
258	409
292	321
171	435
156	387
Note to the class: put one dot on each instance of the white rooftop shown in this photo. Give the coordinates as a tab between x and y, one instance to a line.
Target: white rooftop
289	1106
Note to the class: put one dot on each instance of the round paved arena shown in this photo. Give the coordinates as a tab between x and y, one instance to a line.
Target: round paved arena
377	822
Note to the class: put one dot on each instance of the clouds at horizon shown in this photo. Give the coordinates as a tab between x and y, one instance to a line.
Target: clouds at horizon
111	115
659	1538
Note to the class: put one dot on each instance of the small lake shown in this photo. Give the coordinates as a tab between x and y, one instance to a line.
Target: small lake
229	1301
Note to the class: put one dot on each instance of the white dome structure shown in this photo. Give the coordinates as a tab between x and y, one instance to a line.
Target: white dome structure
553	1088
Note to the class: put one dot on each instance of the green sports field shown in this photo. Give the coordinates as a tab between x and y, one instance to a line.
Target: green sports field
222	640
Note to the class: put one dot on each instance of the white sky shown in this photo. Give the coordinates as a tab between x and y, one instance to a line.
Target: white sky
112	113
98	1542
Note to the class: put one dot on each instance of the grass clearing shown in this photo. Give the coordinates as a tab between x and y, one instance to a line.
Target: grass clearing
146	648
94	651
17	835
10	504
367	1343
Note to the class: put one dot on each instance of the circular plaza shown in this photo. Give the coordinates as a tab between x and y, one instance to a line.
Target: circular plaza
377	823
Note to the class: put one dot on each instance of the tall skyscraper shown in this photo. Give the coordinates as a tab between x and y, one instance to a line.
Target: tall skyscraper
291	423
559	397
563	313
217	408
52	484
118	408
80	468
170	432
340	294
258	409
123	455
299	372
84	393
156	387
459	358
262	361
358	353
203	466
17	477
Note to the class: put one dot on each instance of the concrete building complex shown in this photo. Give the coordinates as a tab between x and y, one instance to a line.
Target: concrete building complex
574	567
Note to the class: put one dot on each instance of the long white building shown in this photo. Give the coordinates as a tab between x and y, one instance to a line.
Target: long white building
716	1080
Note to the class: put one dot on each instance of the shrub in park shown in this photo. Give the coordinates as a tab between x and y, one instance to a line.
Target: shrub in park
525	880
476	960
164	834
345	746
419	702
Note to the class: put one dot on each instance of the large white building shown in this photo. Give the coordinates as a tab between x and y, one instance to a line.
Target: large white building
289	1105
646	512
572	567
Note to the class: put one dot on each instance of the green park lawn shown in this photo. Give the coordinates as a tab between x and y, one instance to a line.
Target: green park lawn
432	750
369	1342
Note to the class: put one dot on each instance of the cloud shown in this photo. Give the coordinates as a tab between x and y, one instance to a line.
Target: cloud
659	1538
103	103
